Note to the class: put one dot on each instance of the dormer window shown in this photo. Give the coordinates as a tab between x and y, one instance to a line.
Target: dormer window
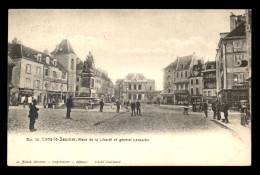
39	57
55	62
48	60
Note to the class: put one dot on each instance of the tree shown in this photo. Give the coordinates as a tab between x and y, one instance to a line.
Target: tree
150	96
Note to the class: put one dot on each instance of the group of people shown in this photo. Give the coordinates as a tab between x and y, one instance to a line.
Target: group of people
217	108
135	107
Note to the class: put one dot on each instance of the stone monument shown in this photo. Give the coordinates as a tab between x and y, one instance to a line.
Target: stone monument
86	90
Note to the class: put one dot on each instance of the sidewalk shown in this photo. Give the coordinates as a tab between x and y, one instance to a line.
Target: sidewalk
244	132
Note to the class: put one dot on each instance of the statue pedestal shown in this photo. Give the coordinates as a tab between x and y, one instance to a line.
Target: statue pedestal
86	92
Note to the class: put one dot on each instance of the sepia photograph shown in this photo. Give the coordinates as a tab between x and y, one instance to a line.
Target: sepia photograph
129	87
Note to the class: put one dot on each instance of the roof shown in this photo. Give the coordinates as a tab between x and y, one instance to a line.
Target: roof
173	65
21	51
63	48
184	62
238	31
209	63
136	76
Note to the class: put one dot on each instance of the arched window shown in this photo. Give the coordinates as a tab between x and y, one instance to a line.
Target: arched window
72	64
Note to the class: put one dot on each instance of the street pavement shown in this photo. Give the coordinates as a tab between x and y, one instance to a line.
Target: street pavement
194	139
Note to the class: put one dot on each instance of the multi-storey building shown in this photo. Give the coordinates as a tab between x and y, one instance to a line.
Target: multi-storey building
135	86
196	82
176	79
249	48
103	86
36	74
209	80
66	56
232	63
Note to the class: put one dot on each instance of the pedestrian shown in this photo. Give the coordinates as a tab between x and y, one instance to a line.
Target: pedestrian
186	107
244	117
214	110
225	111
205	109
117	106
194	106
133	108
138	108
69	105
218	110
127	104
101	105
33	115
222	106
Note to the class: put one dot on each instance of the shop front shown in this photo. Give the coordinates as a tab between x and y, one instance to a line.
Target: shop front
181	96
168	98
233	96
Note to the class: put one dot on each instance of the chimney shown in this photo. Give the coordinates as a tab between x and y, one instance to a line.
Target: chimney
14	41
232	22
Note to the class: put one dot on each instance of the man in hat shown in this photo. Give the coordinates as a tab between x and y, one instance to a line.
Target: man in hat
101	105
138	108
133	108
205	109
69	105
225	111
33	115
117	106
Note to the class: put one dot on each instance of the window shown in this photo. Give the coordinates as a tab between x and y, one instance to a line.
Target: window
55	62
205	93
139	96
209	93
37	84
177	74
169	83
169	90
77	88
72	64
237	44
169	71
181	86
186	86
182	65
92	82
186	74
63	75
134	87
181	74
191	90
38	70
150	88
237	59
169	76
129	86
197	81
78	79
48	60
129	96
139	87
27	82
28	68
134	96
197	91
54	74
240	77
191	81
46	72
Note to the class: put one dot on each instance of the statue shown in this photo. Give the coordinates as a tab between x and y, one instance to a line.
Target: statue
88	64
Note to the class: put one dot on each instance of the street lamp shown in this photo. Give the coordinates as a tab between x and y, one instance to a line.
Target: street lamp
46	100
61	87
127	93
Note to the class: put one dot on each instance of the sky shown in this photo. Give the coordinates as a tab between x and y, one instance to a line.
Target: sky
124	41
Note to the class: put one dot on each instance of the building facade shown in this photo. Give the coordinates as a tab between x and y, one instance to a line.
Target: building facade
177	80
232	63
196	82
135	86
249	51
29	78
209	82
66	56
